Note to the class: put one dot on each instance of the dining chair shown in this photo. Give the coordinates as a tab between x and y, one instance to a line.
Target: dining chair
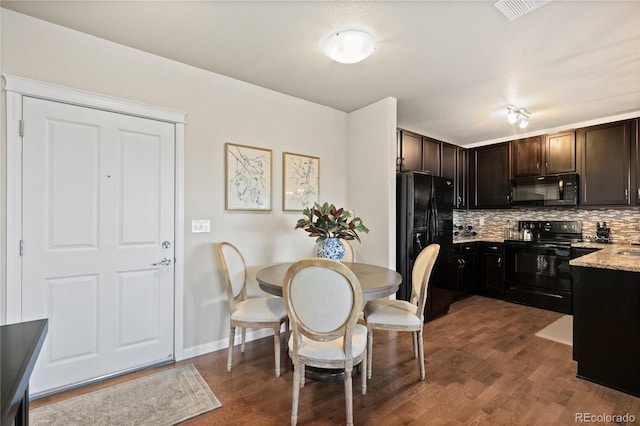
248	312
349	252
400	315
323	298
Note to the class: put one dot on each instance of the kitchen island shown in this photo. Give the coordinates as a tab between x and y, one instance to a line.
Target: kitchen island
606	317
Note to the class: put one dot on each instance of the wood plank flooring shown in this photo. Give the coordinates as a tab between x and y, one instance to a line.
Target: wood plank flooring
484	365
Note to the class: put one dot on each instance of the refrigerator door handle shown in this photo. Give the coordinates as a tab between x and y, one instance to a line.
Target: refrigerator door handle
434	216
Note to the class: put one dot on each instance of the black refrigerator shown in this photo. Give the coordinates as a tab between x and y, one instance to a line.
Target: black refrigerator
425	215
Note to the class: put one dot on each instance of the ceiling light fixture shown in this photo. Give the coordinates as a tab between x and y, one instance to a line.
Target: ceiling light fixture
349	47
514	114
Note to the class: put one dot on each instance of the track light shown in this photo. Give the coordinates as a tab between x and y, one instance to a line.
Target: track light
514	114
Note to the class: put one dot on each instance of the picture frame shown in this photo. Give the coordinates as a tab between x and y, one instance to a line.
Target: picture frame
300	181
248	177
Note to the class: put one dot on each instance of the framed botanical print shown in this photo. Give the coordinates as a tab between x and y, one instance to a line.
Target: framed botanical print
248	178
300	181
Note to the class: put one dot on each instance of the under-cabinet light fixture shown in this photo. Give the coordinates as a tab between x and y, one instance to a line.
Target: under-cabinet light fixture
518	114
349	47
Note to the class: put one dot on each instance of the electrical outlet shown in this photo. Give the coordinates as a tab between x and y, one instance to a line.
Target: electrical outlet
200	226
482	221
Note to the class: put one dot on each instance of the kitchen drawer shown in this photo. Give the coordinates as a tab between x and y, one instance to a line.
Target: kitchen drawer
490	248
465	248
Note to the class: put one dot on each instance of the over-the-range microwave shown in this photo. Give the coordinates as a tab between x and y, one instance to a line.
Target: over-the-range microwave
555	190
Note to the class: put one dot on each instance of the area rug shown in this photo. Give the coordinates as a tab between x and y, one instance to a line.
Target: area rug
164	398
559	331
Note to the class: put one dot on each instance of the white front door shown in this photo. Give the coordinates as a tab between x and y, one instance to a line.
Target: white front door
98	213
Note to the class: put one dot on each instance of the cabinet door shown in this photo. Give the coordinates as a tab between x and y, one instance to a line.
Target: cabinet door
448	163
605	154
560	153
410	152
492	277
527	156
467	280
461	178
490	177
430	156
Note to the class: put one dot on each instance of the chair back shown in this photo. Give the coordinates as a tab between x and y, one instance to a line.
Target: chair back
235	271
420	275
323	299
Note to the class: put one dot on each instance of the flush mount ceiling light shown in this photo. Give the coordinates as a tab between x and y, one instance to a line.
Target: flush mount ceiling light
518	114
349	47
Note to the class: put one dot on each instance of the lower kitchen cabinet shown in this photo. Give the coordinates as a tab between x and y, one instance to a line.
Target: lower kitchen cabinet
464	265
491	257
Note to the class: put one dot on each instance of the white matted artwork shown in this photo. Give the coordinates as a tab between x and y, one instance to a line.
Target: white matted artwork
248	178
300	181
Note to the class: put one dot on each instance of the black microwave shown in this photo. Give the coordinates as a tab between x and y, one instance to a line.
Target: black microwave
555	190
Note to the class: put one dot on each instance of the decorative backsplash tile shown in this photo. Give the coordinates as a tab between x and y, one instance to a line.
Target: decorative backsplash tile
624	223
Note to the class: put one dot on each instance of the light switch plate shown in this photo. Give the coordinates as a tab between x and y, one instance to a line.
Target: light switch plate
200	226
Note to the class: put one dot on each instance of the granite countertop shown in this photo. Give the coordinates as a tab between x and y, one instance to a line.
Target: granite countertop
608	256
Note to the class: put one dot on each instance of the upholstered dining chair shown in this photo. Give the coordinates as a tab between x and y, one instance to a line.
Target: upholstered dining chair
246	312
400	315
349	252
323	298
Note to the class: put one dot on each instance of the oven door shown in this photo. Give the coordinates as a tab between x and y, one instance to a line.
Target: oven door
538	274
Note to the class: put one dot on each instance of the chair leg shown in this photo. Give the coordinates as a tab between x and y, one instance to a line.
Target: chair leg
415	344
244	334
232	334
364	374
369	351
276	344
302	375
421	350
348	395
296	393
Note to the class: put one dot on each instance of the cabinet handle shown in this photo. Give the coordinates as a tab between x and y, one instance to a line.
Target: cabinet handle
493	247
638	193
499	262
546	165
464	262
538	165
626	194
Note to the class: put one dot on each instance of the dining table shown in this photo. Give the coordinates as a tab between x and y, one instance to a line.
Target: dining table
376	281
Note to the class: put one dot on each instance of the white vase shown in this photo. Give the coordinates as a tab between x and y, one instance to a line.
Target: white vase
331	248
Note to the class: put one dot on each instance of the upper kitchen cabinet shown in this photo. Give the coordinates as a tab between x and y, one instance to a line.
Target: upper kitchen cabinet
431	156
489	177
448	163
409	151
527	156
461	178
544	155
560	153
635	163
604	154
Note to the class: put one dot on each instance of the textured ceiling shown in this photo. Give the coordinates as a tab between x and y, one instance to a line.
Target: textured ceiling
452	65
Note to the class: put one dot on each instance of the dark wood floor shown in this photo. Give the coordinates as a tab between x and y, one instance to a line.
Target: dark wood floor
484	365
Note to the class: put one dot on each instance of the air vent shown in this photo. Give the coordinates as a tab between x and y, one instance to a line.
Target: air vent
514	9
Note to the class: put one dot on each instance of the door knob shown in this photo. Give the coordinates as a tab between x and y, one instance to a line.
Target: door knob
166	244
165	261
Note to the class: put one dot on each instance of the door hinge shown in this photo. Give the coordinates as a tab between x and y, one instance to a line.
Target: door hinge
21	125
21	247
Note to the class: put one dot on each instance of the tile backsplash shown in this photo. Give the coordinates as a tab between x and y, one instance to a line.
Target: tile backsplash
624	223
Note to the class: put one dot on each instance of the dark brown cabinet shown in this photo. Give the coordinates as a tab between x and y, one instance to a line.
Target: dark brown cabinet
431	156
635	163
527	156
604	153
560	153
461	178
448	163
491	269
489	177
410	151
464	264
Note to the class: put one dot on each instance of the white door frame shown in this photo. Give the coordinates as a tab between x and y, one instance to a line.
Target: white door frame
16	88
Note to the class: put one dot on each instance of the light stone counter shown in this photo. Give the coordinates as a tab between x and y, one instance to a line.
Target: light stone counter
487	239
608	257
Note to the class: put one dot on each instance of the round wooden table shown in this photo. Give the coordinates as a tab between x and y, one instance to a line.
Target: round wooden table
376	282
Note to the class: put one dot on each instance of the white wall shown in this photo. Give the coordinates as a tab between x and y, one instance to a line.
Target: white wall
219	109
372	179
